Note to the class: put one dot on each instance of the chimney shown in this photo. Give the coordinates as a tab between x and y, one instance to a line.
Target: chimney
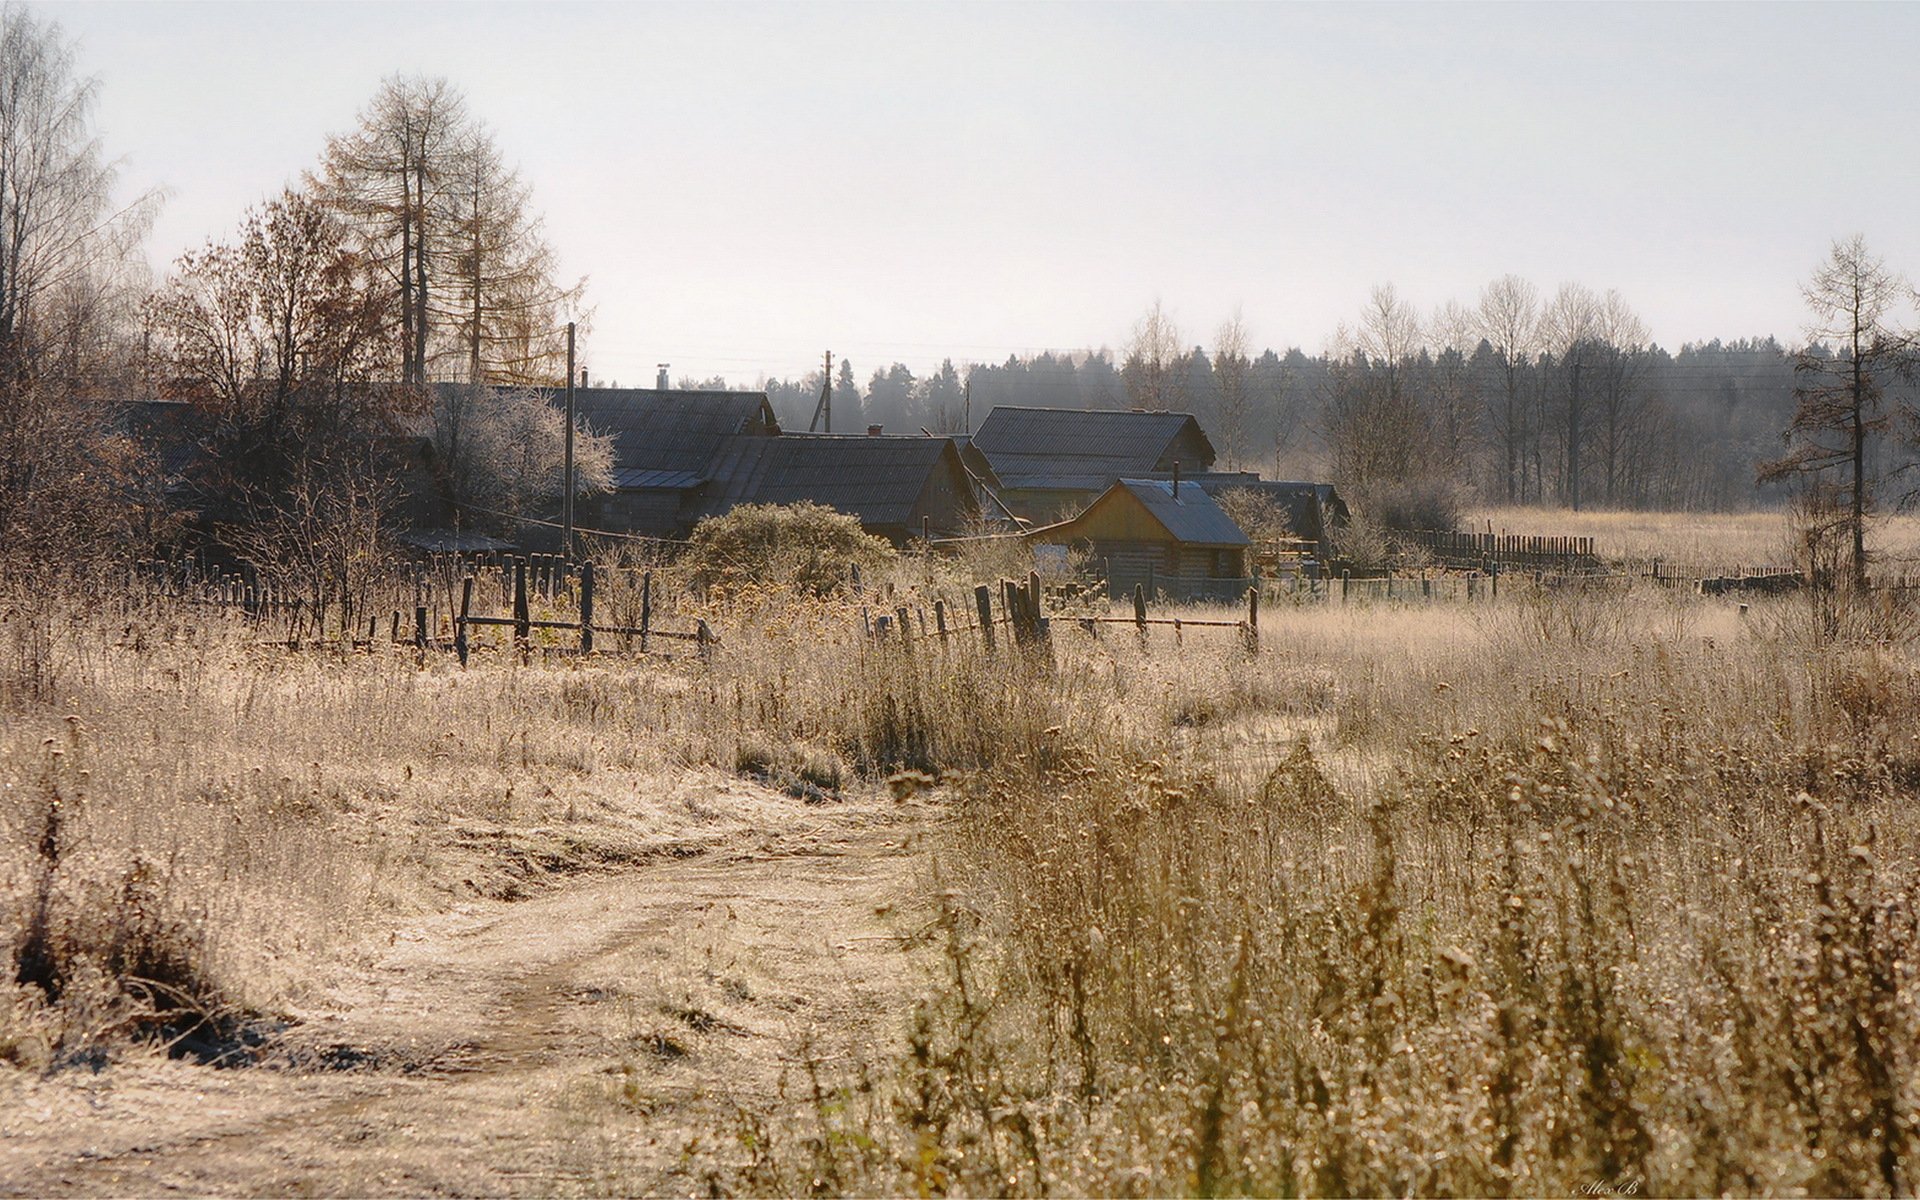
1176	479
661	381
873	430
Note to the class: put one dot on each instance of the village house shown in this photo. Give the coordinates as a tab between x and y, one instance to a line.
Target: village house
1053	462
683	455
1166	535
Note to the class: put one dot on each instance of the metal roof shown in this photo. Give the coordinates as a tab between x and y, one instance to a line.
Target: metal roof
638	479
1310	506
1029	446
678	431
878	479
1192	516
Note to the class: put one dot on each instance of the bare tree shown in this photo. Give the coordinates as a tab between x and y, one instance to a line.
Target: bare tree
68	263
1509	319
1230	369
1839	400
1620	368
1152	356
1373	420
282	336
1569	327
1388	335
1453	334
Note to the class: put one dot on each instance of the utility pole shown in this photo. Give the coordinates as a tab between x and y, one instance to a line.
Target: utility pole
826	399
566	503
966	407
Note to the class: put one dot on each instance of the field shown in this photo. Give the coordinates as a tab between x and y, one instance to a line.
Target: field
1596	888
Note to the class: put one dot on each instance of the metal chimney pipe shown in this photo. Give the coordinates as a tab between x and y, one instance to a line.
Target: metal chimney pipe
1176	479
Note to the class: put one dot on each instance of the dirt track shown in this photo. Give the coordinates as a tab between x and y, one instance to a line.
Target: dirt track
573	1042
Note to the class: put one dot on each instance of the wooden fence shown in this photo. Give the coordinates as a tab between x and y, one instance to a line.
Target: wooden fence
441	604
582	626
1021	611
1465	550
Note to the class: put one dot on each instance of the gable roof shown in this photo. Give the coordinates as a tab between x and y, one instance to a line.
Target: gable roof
878	479
1069	448
1190	516
668	431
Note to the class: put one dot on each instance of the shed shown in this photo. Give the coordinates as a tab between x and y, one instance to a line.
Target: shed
1165	534
1315	512
1053	462
891	483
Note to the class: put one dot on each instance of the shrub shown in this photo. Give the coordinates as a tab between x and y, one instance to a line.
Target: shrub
805	546
1427	503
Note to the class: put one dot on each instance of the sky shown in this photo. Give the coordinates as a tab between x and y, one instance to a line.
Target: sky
746	186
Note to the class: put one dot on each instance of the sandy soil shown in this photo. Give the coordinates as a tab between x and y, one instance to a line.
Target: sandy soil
580	1041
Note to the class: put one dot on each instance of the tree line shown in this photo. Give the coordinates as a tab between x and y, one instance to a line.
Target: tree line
1518	399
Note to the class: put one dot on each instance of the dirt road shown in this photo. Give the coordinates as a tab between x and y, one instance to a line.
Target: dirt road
575	1042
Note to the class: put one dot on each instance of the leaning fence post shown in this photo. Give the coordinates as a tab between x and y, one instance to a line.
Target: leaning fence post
586	608
1140	609
522	631
646	608
1036	612
983	603
703	636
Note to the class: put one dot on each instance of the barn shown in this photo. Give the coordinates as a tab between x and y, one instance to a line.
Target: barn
1164	534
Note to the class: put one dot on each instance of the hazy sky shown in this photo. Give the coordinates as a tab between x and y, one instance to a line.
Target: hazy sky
746	186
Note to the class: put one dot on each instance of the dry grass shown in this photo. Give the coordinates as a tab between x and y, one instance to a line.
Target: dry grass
1573	889
1705	543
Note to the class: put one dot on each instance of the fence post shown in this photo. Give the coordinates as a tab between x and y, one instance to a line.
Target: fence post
393	634
940	620
1036	609
983	603
419	627
1140	609
586	608
646	608
703	636
1346	576
1253	618
521	631
906	627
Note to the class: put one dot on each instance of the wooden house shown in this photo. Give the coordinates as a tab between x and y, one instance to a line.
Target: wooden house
897	486
665	447
1054	462
1167	535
